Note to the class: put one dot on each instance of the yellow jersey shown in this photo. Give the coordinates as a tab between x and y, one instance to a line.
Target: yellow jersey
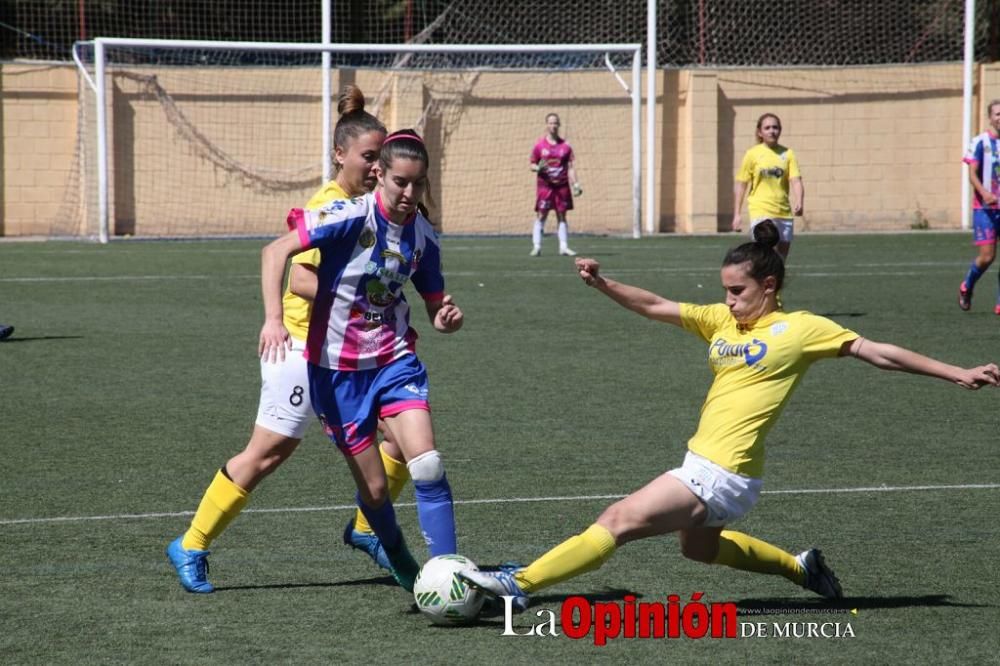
756	369
297	309
768	171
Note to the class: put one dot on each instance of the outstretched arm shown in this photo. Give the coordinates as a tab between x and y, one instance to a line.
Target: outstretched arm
640	301
274	338
890	357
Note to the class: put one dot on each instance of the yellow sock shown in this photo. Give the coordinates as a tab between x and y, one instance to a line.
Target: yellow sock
397	474
222	502
574	556
741	551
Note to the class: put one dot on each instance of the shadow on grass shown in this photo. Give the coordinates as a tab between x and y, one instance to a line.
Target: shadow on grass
37	338
785	606
388	581
843	314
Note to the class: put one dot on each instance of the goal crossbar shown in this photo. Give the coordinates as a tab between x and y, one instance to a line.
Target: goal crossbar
98	83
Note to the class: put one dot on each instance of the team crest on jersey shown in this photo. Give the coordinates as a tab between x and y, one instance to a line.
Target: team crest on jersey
378	293
367	238
779	328
545	152
415	261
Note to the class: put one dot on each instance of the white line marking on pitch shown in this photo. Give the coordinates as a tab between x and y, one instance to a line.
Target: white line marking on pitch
510	500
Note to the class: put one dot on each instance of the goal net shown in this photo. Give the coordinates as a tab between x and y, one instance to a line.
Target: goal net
220	139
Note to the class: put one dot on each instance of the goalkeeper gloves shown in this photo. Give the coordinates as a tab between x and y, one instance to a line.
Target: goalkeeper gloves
577	190
535	167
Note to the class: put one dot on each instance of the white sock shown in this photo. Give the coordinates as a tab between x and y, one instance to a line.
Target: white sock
563	232
536	233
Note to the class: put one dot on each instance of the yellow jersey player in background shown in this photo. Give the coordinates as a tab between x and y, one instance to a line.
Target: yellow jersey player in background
758	354
770	172
285	409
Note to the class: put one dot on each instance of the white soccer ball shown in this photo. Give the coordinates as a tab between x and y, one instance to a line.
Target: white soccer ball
444	597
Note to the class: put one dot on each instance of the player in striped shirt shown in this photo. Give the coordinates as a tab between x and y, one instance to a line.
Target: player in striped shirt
361	348
285	410
983	158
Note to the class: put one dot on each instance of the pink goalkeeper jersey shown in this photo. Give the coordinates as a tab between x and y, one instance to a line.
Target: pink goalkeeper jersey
554	161
360	318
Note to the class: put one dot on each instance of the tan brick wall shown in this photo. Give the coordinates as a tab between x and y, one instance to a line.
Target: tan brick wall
37	142
879	147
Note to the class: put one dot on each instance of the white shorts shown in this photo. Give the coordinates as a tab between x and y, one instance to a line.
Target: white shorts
728	496
785	227
285	407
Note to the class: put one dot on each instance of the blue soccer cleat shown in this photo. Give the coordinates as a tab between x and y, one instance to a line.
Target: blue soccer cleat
819	577
191	566
368	543
402	565
497	584
6	331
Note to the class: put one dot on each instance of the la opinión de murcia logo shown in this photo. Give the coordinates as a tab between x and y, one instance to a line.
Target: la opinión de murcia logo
632	619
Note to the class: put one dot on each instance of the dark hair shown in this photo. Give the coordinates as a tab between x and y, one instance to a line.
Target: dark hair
761	254
354	120
550	114
403	143
760	122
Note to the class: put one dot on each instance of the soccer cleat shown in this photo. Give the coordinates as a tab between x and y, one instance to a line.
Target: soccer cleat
566	252
191	566
996	309
6	331
368	543
964	296
819	577
402	565
496	584
535	252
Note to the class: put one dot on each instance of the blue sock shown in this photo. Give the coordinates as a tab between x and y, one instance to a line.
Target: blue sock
973	276
436	511
383	522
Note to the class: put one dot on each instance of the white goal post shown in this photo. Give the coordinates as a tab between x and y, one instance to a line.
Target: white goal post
631	95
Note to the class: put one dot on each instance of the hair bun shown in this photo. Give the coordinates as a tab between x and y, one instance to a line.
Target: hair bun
351	100
766	233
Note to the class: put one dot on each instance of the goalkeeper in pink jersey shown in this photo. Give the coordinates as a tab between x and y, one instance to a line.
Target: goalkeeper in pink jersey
552	160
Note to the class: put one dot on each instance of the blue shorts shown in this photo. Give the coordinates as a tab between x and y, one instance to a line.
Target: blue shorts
985	222
349	403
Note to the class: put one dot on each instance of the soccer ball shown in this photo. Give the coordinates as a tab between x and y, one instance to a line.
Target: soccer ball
444	597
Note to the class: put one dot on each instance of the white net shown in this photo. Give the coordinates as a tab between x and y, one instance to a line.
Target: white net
689	32
209	143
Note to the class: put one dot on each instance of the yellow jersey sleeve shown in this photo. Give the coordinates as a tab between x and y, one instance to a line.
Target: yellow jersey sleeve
704	320
745	174
823	338
309	258
793	165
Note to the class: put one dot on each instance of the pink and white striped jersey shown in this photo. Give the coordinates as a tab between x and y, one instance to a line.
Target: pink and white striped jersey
553	160
360	318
